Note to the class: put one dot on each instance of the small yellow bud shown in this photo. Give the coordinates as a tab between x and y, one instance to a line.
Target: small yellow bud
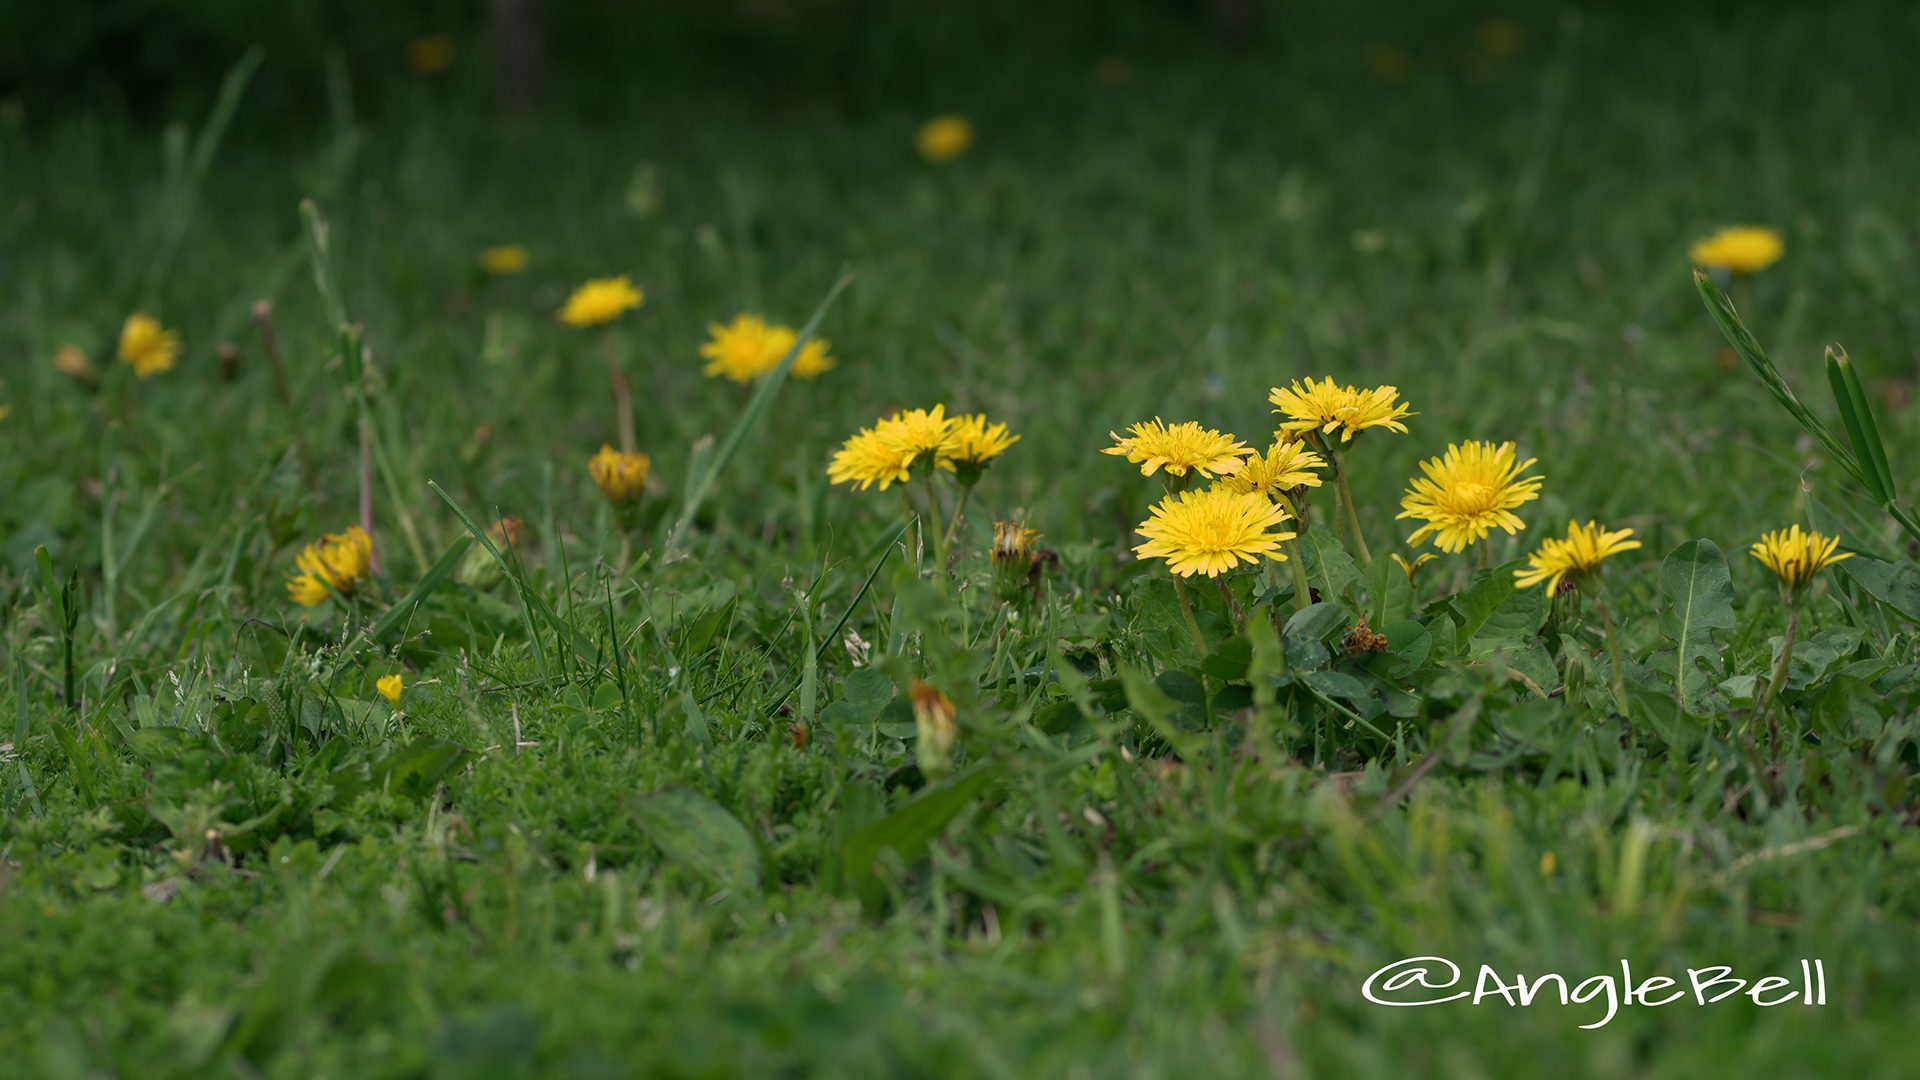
621	475
933	720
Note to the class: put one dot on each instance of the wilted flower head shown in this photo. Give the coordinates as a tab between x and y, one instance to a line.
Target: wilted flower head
1741	249
147	347
1795	556
1471	489
934	728
1011	558
944	138
600	301
1212	531
1580	553
621	475
333	564
1179	448
73	362
503	259
1327	407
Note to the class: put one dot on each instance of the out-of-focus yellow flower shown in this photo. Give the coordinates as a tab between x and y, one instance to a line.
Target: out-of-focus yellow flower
813	360
6	409
744	348
73	362
1286	465
147	347
601	301
390	687
503	258
1179	448
944	138
1326	407
1471	489
621	475
934	729
429	54
333	564
1388	63
1500	38
1795	556
1212	531
1741	249
1581	553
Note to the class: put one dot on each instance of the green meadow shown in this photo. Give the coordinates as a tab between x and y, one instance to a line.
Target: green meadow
739	771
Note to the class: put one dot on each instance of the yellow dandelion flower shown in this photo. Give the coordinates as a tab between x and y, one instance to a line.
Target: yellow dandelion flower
429	54
601	301
1500	38
944	138
390	687
333	564
1286	465
743	349
813	360
1580	553
920	431
621	475
1795	556
1326	407
866	459
147	347
1212	531
503	259
976	442
1471	489
1179	448
1741	249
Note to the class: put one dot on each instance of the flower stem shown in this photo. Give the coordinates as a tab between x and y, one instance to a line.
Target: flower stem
1613	656
1302	592
1764	710
622	396
1186	608
1233	603
959	514
939	537
1353	515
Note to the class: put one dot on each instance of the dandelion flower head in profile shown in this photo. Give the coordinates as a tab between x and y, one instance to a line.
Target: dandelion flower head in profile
1795	556
743	349
975	442
1327	407
944	138
866	459
621	475
390	687
601	301
1739	249
333	564
1580	553
1471	489
147	347
503	259
1179	448
429	54
1286	465
1212	531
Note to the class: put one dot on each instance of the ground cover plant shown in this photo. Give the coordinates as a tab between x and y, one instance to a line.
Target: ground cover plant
935	550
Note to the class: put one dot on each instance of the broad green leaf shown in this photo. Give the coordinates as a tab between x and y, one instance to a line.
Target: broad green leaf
1896	585
1329	568
1699	600
698	833
906	830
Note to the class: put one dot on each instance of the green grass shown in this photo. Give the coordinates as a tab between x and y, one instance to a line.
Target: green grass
591	840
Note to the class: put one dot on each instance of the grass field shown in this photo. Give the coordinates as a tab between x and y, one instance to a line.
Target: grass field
655	798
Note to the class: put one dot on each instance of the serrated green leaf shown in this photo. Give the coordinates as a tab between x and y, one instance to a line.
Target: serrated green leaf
1698	590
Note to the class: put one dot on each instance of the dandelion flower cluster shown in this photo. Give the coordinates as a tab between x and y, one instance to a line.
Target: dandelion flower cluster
600	301
1179	448
1741	249
749	346
885	453
1326	407
1213	530
333	564
1471	489
1795	556
1286	465
1581	552
621	475
147	347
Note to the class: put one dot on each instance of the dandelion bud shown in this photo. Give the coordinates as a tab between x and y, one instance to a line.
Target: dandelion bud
478	568
73	362
621	475
1012	559
933	721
